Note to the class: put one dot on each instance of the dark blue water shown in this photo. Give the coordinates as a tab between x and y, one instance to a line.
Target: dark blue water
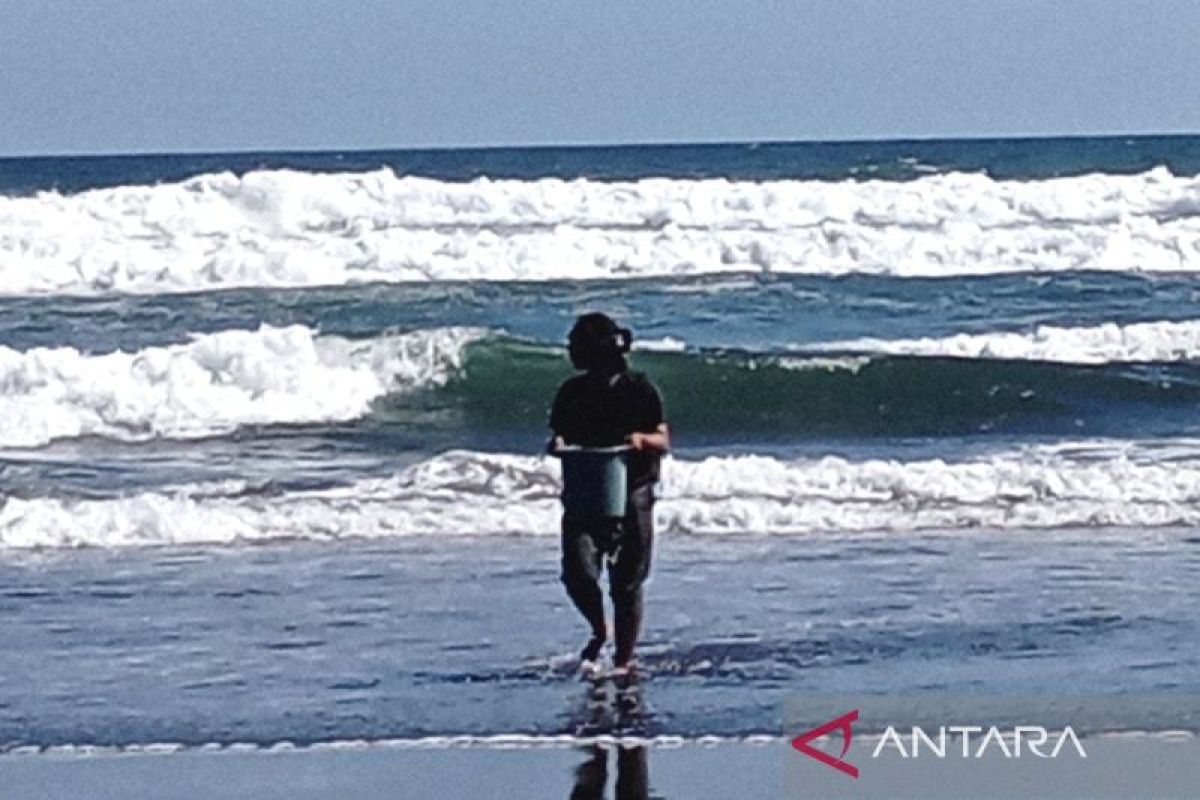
885	160
751	312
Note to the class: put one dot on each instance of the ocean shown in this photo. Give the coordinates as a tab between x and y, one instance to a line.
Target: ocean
271	432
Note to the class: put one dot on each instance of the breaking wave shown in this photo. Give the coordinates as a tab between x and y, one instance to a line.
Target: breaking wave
1082	484
290	228
1102	344
472	382
215	383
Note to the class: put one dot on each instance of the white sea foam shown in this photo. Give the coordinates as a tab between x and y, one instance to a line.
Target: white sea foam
1031	488
499	741
215	383
667	344
815	363
286	228
1137	342
1156	341
449	741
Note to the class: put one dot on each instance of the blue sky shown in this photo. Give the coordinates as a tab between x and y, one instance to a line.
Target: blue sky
162	75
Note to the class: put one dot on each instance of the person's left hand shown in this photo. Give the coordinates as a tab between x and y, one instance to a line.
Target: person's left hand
656	442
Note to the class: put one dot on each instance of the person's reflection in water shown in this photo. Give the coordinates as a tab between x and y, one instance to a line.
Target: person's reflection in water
613	708
591	776
633	775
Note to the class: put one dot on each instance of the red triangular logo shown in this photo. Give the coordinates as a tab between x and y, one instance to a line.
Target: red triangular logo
842	724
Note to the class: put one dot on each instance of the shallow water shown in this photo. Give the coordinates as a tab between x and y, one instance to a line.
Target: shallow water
433	636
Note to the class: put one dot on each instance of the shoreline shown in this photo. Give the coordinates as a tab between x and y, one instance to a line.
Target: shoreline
1166	767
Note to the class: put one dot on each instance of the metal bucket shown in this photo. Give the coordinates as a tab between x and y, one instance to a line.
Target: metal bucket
595	481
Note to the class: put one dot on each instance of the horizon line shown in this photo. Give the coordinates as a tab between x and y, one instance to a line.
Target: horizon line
447	148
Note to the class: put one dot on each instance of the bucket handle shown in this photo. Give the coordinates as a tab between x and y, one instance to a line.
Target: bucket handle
608	451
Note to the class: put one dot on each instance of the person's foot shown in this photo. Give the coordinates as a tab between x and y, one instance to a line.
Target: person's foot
591	670
625	675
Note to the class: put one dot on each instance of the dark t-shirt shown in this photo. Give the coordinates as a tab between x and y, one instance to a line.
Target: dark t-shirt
600	412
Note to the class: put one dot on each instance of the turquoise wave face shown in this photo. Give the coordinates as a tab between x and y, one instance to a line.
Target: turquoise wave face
506	385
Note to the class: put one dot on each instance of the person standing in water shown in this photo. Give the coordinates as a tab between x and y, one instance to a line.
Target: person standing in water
605	406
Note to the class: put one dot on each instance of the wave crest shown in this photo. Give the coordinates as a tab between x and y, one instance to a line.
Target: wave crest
1102	344
215	383
491	385
468	493
289	228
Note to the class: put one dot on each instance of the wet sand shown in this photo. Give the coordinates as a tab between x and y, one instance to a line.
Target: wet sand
1145	767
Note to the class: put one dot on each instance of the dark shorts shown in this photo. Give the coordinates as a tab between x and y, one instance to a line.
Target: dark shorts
625	543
